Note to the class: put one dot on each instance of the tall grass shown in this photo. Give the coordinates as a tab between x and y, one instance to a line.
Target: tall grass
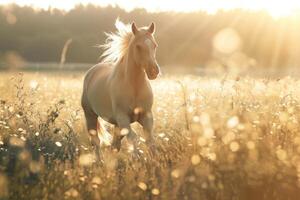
214	139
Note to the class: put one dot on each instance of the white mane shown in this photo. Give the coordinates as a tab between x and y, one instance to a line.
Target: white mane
117	44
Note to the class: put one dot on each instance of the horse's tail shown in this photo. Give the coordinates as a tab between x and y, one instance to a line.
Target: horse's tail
104	136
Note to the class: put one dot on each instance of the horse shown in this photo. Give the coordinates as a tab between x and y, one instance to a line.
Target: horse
118	89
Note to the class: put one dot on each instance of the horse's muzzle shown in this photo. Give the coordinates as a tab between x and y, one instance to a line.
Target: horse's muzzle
153	72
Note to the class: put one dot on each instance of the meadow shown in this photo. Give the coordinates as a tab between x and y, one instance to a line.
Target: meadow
215	138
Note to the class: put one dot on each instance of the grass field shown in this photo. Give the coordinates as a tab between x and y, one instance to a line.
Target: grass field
215	138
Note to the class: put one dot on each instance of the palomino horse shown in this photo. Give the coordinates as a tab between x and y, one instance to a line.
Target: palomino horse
118	89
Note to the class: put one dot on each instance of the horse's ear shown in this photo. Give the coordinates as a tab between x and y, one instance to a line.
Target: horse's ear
134	28
151	28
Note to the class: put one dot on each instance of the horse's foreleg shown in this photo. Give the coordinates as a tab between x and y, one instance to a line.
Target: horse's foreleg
147	122
123	122
92	127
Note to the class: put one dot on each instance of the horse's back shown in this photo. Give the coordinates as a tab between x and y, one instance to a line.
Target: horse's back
101	70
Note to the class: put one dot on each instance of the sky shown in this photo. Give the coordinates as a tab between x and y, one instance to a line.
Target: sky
276	8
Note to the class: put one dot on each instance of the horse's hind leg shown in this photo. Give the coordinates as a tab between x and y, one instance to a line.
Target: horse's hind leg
117	138
92	126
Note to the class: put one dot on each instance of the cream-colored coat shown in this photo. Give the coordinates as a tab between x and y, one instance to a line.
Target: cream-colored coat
120	92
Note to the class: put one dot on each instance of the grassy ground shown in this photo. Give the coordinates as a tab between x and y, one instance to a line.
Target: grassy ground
215	139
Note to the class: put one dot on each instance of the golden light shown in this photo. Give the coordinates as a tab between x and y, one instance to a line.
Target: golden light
276	8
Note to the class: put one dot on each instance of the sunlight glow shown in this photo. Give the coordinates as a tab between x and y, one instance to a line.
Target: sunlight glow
277	8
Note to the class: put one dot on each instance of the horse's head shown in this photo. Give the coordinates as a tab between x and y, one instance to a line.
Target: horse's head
144	50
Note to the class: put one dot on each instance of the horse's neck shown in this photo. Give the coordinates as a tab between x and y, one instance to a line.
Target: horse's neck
134	74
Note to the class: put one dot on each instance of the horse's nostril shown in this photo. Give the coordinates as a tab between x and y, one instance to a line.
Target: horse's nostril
154	70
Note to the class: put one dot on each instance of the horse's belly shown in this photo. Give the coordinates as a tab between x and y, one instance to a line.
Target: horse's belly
105	113
101	105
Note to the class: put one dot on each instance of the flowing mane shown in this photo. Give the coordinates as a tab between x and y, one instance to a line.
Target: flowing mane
116	44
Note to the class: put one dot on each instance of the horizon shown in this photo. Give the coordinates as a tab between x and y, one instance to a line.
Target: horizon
278	9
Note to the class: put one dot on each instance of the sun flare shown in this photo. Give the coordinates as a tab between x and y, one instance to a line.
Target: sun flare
276	8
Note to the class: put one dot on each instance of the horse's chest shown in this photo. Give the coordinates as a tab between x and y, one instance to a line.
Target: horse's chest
138	109
140	104
134	101
140	96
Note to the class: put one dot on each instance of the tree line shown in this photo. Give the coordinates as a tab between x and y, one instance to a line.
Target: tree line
183	38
